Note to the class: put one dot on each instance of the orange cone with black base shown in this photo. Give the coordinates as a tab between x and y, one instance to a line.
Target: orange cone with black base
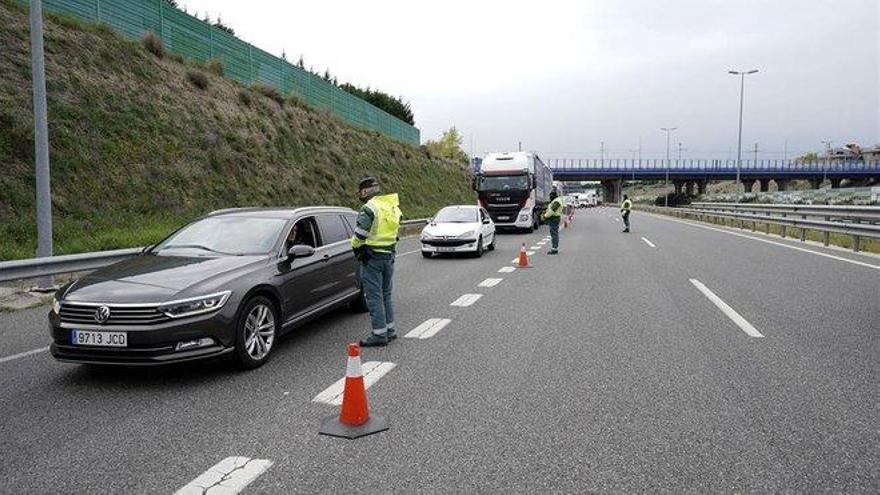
354	420
523	261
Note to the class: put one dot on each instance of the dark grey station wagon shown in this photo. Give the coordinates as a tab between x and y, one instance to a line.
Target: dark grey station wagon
227	284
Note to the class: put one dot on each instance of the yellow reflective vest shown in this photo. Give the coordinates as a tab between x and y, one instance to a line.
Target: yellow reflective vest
383	230
554	210
626	206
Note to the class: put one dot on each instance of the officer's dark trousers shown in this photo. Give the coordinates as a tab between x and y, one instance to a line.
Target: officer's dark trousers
626	219
553	223
376	275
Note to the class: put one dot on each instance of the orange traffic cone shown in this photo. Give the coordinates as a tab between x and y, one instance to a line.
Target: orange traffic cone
523	261
354	420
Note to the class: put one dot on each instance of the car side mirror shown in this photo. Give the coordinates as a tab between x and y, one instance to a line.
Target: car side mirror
486	221
300	251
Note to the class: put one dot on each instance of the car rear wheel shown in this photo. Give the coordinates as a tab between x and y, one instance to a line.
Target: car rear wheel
257	329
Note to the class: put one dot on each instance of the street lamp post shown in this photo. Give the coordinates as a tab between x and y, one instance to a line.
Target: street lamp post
742	83
41	140
668	131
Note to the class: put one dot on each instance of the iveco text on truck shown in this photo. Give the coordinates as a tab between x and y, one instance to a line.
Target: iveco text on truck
514	188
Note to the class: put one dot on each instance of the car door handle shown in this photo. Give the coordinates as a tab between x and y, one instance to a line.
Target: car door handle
325	258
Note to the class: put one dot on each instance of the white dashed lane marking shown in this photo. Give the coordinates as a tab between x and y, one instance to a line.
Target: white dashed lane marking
648	242
506	269
727	310
535	248
490	282
372	370
466	300
23	354
428	329
227	477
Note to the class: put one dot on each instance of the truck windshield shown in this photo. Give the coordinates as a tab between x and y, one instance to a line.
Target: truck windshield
504	183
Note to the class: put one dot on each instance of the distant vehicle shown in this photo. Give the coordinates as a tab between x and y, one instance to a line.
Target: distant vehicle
570	201
587	199
514	188
228	284
459	229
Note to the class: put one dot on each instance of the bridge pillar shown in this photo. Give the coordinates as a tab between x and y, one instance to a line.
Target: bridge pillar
701	186
765	185
613	189
815	183
835	183
781	184
748	184
677	185
689	188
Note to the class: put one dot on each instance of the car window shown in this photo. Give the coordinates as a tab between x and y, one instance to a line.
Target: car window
456	215
230	235
351	220
332	228
305	232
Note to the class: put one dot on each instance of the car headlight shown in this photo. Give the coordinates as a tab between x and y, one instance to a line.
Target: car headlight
468	235
56	305
195	305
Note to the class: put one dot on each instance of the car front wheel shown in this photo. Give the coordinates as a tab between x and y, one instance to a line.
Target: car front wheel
479	252
255	336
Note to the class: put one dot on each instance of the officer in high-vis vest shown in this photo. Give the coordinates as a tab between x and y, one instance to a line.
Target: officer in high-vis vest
374	241
625	208
552	216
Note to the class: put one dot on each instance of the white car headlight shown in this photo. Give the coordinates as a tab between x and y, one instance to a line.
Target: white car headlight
467	235
195	306
56	305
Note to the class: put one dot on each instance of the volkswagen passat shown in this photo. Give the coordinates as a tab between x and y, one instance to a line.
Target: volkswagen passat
227	284
459	229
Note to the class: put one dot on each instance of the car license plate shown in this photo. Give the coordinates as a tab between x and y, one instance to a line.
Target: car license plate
445	249
104	339
503	218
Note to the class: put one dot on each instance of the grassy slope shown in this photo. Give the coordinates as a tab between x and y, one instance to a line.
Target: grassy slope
135	148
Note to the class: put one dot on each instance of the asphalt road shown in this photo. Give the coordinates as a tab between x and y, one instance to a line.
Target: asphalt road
605	368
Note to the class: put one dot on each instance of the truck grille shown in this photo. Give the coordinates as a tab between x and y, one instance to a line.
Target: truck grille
85	315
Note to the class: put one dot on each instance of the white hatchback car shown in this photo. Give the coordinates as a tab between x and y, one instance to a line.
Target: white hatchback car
459	229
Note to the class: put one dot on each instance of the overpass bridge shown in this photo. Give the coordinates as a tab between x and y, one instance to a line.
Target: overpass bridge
689	175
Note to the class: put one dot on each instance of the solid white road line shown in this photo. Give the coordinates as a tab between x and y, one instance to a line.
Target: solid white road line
730	312
23	354
428	329
466	300
506	269
529	253
768	241
648	242
372	370
408	252
228	476
535	248
490	282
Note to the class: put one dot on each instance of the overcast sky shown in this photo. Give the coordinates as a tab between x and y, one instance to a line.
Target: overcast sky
564	76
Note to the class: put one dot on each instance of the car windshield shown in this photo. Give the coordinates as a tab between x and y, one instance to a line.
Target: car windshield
504	183
229	235
456	215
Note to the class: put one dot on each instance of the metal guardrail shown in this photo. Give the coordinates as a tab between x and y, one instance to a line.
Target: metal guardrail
57	265
855	221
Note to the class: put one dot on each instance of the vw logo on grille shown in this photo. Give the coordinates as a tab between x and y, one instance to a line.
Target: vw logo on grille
102	314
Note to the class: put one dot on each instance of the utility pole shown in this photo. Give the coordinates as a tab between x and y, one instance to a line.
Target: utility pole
742	84
756	155
519	146
680	149
825	161
785	151
602	153
41	140
668	131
